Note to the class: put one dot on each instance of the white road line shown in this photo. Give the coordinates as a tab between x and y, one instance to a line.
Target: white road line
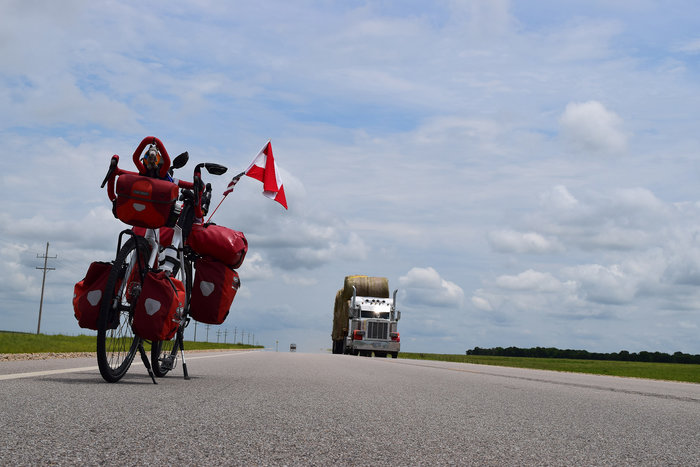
33	374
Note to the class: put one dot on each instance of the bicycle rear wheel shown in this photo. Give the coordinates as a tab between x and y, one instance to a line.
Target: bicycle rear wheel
116	342
164	353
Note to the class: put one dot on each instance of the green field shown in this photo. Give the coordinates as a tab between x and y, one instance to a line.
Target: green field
664	371
17	342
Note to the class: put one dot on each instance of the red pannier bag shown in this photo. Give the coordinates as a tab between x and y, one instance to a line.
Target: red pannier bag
226	245
144	201
214	288
87	294
159	307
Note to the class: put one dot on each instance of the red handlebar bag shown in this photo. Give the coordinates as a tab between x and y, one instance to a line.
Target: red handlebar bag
226	245
87	294
159	307
144	201
214	288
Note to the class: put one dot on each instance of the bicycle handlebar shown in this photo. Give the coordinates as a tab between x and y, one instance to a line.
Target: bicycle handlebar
202	194
114	171
112	166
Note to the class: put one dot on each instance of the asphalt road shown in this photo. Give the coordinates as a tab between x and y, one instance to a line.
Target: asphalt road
267	408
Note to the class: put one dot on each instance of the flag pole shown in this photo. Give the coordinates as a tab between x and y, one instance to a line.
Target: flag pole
217	207
236	178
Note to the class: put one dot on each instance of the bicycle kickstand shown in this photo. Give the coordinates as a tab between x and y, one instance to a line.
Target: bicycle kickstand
182	352
144	357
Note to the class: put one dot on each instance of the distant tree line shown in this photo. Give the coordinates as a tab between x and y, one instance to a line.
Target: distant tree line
552	352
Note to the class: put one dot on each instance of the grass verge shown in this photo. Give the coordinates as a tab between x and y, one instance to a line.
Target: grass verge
664	371
18	342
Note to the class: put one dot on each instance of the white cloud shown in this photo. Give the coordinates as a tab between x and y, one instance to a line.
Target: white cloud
590	127
530	280
604	284
255	269
691	47
424	286
559	198
522	242
618	219
481	303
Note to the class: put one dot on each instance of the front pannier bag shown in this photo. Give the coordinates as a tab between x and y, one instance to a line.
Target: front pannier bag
227	245
87	294
214	288
144	201
159	307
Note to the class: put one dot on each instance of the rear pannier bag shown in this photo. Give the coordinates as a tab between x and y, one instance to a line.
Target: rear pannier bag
144	201
87	294
214	288
159	307
226	245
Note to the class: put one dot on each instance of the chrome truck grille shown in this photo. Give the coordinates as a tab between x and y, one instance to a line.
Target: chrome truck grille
377	330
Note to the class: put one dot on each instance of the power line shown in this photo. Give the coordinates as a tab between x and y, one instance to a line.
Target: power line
43	281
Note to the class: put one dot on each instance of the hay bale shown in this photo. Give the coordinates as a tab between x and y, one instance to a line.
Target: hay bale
340	317
366	286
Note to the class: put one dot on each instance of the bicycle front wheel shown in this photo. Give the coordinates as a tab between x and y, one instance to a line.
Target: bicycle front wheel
116	342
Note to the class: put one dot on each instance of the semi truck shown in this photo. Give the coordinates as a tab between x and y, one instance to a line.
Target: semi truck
365	318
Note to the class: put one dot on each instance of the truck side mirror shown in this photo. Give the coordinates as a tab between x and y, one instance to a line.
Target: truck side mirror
398	315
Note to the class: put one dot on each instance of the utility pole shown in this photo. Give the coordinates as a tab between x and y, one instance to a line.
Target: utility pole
43	282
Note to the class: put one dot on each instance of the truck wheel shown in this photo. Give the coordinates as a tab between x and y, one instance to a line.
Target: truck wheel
394	355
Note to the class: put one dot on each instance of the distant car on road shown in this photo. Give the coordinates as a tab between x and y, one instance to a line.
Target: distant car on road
292	347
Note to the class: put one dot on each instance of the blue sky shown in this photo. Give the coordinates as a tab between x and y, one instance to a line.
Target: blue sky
523	172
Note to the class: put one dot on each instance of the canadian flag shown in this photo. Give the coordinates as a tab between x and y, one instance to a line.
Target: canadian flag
263	168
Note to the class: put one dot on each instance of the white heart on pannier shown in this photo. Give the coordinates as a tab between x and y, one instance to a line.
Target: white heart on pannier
94	296
206	287
138	207
152	306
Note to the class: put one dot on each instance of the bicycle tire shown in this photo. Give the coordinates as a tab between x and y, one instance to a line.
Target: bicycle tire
116	343
164	353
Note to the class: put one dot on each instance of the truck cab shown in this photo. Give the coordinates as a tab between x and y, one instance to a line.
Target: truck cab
373	327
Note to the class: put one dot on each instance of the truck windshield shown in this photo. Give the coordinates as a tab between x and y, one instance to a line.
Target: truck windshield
372	314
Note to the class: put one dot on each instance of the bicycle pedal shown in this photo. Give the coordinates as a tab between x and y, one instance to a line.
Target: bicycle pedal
168	362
